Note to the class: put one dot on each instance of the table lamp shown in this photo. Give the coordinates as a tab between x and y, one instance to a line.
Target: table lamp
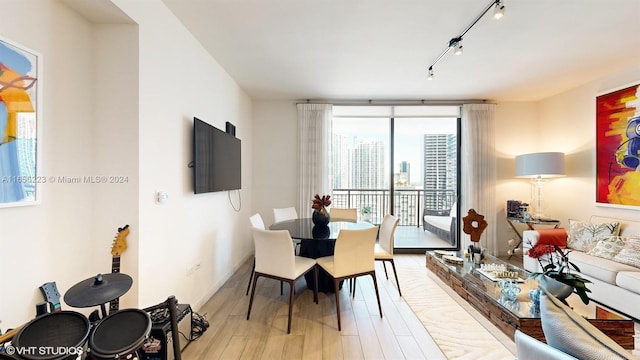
539	167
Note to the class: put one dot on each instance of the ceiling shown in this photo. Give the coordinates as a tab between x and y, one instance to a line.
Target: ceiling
381	49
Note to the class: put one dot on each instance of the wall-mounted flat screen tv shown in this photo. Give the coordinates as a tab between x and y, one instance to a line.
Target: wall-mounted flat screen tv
216	159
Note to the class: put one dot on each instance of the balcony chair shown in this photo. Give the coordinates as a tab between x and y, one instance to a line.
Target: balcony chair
275	260
384	247
353	257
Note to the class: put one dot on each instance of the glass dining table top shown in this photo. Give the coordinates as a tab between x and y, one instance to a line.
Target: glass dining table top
304	229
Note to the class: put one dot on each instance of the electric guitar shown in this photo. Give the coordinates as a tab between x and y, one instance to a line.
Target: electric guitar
118	247
51	296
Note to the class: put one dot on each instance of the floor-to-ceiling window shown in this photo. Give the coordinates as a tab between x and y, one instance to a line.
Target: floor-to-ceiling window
401	160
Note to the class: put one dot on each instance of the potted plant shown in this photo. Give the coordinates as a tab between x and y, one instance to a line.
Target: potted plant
366	213
556	266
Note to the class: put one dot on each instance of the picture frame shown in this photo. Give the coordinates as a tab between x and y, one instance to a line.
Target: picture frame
20	125
618	147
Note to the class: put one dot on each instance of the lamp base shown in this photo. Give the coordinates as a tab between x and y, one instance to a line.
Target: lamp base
537	201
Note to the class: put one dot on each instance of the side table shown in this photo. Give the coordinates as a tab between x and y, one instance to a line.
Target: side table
531	224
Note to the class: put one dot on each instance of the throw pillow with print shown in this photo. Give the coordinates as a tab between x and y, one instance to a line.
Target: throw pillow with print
608	247
584	235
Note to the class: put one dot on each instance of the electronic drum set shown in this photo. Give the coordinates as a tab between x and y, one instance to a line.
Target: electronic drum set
65	334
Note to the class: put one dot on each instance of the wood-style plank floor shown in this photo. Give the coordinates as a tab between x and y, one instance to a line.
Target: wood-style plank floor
314	333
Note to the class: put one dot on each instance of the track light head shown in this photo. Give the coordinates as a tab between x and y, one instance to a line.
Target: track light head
455	43
498	11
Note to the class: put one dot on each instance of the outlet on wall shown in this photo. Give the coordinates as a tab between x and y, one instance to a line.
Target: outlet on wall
193	269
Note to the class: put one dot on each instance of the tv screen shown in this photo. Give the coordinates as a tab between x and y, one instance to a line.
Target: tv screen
216	159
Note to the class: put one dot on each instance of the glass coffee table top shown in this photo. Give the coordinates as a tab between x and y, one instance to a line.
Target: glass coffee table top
480	277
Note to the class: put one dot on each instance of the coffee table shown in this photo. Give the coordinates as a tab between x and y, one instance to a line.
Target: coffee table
485	295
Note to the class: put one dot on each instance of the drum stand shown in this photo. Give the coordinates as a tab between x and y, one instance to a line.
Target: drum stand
172	304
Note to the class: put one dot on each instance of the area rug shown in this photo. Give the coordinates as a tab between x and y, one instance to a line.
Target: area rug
459	330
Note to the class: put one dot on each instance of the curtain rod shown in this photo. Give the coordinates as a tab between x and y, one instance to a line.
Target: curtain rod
393	102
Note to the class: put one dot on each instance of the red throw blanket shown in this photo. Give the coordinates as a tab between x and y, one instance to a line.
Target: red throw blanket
552	237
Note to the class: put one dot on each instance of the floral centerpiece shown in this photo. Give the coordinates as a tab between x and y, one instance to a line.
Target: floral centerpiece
320	215
558	267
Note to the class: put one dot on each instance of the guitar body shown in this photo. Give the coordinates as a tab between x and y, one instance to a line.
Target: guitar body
118	247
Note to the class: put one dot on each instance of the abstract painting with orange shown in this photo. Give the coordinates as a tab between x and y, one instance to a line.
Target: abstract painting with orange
18	124
618	147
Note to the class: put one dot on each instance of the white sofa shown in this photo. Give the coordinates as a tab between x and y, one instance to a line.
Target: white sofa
613	284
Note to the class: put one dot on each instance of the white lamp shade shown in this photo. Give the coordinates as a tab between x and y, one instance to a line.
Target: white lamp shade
544	165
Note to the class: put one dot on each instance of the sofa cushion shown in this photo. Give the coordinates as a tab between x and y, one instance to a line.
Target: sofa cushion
441	222
629	280
602	269
584	235
569	332
630	254
608	247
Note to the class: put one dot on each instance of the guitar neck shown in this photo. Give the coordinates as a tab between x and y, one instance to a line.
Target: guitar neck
114	305
115	264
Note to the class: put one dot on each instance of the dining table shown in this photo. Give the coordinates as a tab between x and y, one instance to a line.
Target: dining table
318	241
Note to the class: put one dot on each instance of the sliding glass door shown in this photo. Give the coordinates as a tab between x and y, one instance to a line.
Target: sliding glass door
401	160
360	163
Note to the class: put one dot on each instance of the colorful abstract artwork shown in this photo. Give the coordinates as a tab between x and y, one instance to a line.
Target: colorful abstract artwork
618	147
19	74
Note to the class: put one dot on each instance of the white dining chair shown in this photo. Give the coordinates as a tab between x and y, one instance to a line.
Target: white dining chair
256	223
353	257
275	260
350	214
284	214
384	247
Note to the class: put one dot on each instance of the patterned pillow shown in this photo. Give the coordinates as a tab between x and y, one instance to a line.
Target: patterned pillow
608	247
630	254
584	235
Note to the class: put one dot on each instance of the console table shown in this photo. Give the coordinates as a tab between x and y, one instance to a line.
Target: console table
531	225
508	315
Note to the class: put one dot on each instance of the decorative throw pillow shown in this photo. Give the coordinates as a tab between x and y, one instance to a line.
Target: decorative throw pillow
585	235
630	253
569	332
608	247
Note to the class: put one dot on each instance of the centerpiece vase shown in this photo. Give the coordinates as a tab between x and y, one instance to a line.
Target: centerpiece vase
555	287
320	217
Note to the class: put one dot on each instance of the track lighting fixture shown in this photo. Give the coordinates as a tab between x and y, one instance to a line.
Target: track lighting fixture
456	42
498	11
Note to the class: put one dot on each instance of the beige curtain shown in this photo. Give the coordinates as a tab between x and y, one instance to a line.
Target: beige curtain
479	171
314	149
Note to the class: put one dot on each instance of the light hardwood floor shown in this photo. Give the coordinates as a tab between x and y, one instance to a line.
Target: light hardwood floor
314	334
430	321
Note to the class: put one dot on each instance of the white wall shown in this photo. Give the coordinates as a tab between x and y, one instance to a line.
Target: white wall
119	100
55	240
565	123
568	120
180	80
115	142
275	157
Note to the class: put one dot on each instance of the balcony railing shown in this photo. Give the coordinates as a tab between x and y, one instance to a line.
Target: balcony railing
409	203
